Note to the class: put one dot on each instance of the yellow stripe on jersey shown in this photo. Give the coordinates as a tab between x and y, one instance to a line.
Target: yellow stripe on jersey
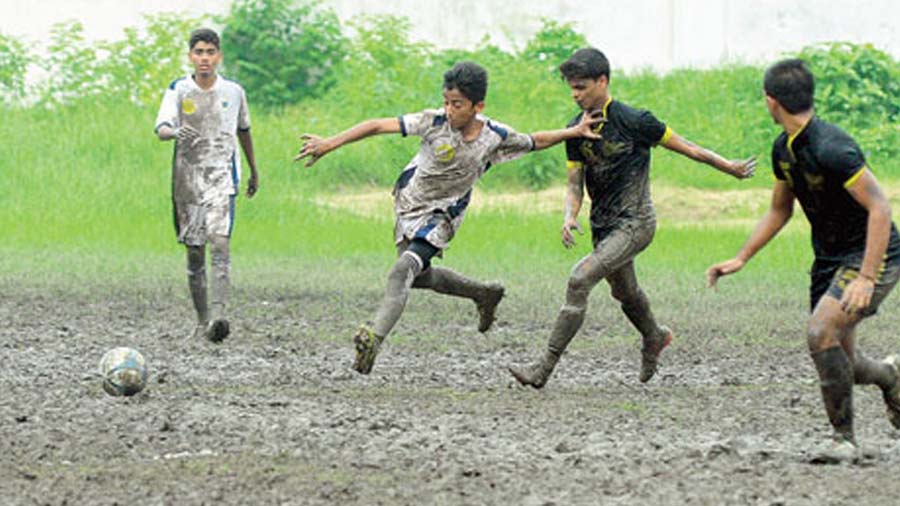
666	136
790	141
573	165
853	179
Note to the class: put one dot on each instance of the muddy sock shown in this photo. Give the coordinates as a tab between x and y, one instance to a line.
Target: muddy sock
448	282
196	271
870	372
637	309
400	279
221	266
836	381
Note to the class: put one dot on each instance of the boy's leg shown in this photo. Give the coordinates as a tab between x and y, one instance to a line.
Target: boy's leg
400	278
486	296
611	252
827	325
196	271
220	253
636	307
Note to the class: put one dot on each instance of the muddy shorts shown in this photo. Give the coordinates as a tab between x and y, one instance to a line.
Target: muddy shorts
195	223
832	277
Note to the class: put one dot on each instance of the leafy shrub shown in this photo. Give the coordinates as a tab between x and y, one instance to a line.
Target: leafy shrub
14	61
282	50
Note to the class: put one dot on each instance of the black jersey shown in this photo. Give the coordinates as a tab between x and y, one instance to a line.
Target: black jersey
617	166
819	163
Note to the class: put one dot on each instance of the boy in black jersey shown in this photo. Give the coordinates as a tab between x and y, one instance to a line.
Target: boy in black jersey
615	169
856	246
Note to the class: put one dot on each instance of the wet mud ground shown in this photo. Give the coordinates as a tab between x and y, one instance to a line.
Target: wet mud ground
274	415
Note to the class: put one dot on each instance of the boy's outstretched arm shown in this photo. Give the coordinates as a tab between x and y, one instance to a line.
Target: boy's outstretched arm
315	147
780	211
246	141
740	169
585	128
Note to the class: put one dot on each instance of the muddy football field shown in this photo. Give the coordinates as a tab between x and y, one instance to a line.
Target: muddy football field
275	415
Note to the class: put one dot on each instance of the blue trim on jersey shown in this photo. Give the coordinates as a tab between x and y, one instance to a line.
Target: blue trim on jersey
164	123
405	176
460	205
403	131
234	174
243	129
487	167
502	132
422	233
439	120
173	83
231	214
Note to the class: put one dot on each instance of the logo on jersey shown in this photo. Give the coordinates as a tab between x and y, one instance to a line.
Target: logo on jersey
224	104
188	106
444	153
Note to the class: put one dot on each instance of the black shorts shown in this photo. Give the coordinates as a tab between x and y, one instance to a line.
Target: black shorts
832	276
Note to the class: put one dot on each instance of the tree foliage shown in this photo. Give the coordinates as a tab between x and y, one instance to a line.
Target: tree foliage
283	50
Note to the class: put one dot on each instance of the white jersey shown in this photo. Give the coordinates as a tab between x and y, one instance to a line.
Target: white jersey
206	171
210	164
433	191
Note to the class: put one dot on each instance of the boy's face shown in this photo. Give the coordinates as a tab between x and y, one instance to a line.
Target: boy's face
588	93
205	57
460	110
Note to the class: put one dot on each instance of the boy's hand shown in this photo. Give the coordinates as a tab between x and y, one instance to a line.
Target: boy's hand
742	169
858	295
187	134
589	121
722	269
252	185
314	147
568	239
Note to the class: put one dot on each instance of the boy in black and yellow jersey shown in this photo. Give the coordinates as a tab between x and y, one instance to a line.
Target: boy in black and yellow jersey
856	246
615	169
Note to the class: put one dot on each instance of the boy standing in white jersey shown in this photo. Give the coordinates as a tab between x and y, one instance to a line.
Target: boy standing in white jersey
458	146
206	114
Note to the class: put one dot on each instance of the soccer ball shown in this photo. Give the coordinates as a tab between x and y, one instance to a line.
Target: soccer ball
124	372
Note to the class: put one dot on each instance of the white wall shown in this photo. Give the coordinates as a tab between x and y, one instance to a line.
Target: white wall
661	34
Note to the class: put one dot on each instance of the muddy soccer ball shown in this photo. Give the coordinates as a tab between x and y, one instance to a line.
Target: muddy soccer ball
124	372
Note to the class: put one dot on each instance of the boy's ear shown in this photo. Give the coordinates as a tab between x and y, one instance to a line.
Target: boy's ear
479	106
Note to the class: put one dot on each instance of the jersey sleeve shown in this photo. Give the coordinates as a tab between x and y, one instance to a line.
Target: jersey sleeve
777	169
168	110
244	114
844	160
650	131
417	123
513	144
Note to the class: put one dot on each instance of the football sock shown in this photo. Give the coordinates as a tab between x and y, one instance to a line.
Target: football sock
637	309
449	282
196	271
220	260
400	279
836	382
870	372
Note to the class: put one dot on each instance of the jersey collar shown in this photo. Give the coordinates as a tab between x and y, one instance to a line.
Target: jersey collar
795	135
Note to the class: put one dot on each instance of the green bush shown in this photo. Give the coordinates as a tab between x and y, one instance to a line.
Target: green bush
858	87
282	50
14	61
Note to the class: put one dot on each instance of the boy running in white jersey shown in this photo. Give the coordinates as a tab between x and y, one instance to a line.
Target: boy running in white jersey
206	114
431	195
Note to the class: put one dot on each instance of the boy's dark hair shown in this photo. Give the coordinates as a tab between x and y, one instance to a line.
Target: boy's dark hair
469	78
204	35
791	83
586	63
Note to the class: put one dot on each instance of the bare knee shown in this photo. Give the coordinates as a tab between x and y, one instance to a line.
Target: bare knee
821	335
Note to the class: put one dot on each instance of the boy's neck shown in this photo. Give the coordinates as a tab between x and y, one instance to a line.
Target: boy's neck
793	123
207	81
472	130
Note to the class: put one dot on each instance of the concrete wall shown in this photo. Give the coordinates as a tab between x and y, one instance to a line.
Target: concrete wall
660	34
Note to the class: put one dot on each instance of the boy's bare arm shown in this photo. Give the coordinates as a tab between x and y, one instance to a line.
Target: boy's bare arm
585	128
315	147
246	141
574	199
740	169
